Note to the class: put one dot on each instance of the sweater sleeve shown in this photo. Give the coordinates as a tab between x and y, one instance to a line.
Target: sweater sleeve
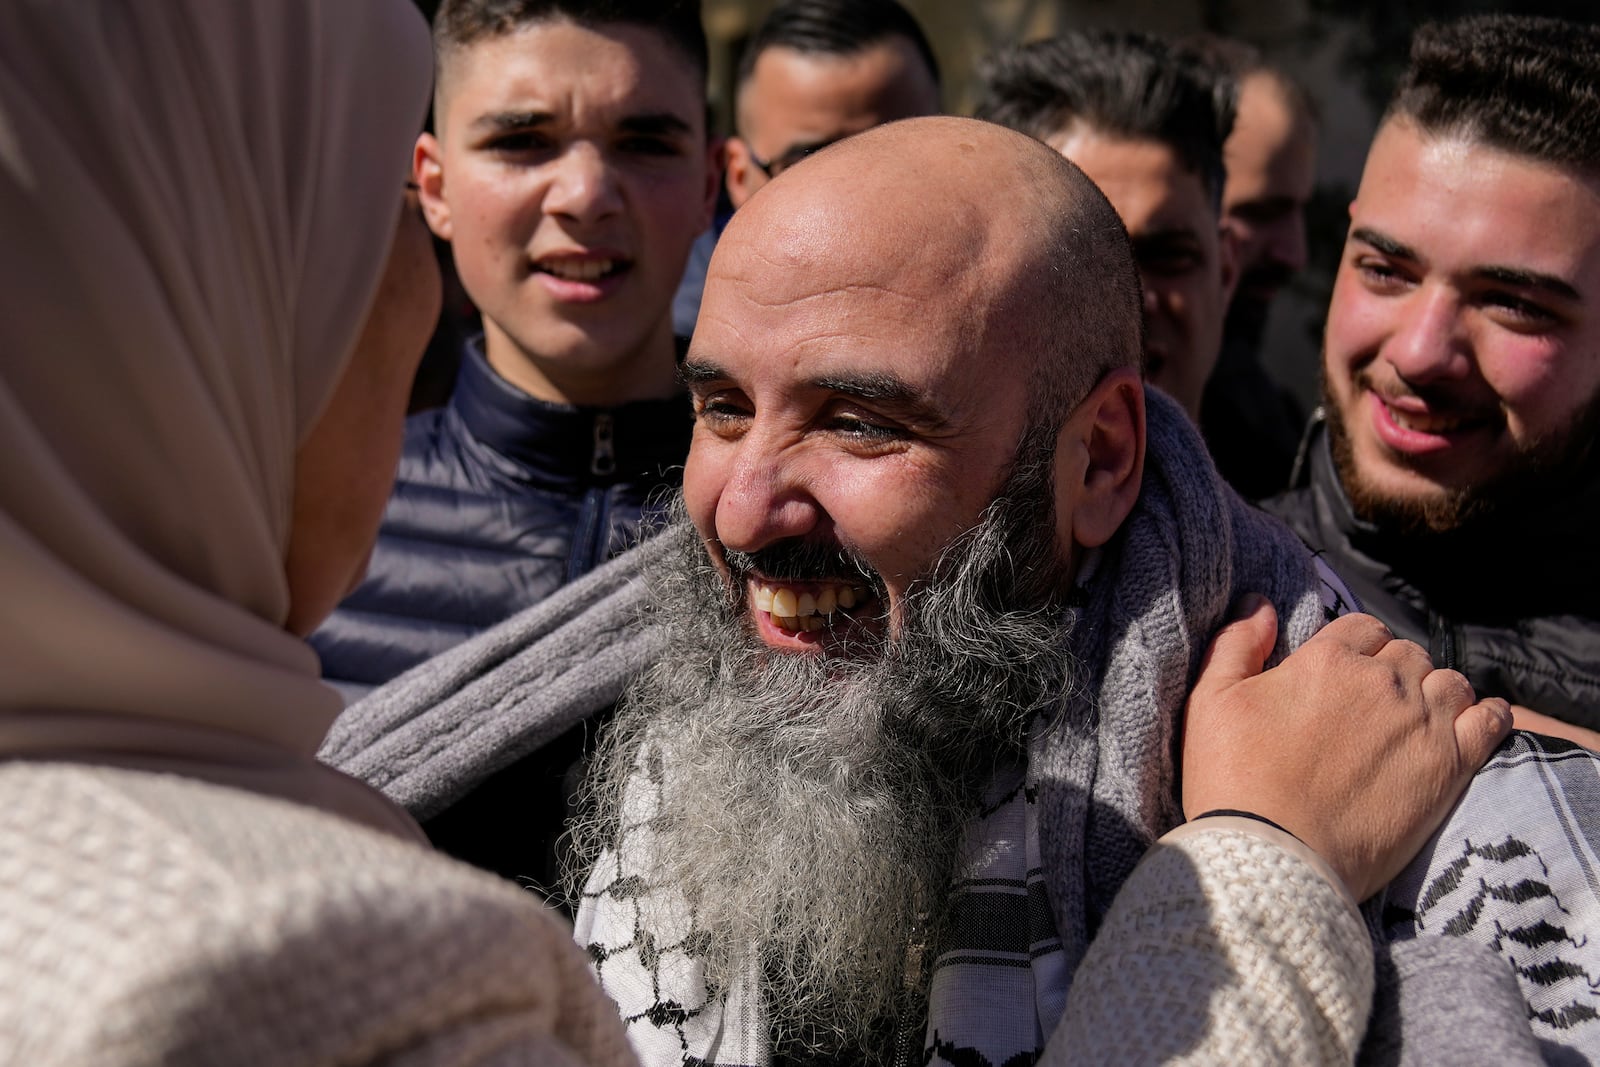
1229	944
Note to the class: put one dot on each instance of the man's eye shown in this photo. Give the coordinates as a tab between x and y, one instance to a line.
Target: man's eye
519	143
1379	273
651	146
720	411
864	429
1170	262
1520	312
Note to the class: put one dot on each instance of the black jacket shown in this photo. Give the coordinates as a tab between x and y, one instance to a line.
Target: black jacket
500	499
1513	603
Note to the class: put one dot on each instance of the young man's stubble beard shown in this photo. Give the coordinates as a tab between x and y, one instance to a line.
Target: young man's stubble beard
815	805
1557	463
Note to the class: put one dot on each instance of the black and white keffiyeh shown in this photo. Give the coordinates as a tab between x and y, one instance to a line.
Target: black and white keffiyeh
1516	867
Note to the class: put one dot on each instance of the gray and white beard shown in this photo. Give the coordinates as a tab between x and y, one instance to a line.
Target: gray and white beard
813	806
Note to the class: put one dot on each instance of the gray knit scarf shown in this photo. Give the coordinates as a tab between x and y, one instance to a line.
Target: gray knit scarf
1106	770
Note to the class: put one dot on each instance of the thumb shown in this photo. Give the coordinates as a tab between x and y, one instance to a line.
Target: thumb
1241	648
1479	731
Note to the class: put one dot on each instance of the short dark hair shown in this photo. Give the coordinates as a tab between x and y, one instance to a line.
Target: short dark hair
1528	86
459	23
1241	60
834	28
1125	84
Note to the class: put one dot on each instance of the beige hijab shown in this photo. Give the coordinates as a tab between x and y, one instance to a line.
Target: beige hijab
196	203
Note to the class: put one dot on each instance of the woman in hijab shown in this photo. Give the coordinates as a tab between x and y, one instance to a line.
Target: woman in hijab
215	296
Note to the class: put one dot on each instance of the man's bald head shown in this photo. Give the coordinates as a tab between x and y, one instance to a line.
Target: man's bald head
992	228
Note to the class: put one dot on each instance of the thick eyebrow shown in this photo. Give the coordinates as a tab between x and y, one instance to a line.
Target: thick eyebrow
1528	279
1382	242
877	387
656	123
692	372
650	123
1517	277
506	121
880	388
1165	236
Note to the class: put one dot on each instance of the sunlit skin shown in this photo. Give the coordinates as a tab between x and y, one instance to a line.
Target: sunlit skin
1271	159
1465	320
571	173
345	467
858	377
1186	263
795	102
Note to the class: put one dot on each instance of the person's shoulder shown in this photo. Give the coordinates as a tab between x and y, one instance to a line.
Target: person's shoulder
1514	868
1295	507
243	925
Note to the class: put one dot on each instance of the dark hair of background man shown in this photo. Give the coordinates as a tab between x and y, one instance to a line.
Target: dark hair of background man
458	23
834	28
1128	85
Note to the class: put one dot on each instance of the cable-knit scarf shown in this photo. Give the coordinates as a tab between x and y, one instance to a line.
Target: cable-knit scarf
1106	771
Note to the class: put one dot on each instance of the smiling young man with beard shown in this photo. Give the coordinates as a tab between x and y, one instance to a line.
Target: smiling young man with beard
1455	486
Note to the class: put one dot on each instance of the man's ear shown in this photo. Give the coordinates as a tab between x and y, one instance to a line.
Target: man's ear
1100	461
716	164
427	170
744	177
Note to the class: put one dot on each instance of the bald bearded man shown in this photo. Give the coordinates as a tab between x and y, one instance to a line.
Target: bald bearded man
861	803
910	673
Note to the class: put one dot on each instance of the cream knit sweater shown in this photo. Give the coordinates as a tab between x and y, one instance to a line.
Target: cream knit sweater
1237	908
148	919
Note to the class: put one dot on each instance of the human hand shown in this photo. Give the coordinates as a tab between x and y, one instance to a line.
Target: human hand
1354	743
1534	722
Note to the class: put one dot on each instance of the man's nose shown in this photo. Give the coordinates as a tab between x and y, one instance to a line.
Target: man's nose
1428	342
1152	295
582	186
766	499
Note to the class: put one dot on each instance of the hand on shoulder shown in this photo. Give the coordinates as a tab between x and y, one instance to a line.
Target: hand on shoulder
1355	743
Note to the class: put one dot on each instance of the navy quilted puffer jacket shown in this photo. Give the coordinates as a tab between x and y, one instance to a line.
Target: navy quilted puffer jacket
500	499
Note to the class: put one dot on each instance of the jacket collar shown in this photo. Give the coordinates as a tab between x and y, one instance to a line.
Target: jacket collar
563	443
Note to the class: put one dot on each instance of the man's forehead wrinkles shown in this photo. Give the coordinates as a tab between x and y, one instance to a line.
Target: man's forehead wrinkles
793	288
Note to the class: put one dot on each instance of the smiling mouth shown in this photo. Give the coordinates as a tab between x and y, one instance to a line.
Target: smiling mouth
1429	422
811	608
581	270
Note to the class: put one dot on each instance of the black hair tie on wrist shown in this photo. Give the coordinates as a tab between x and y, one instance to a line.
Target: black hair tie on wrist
1243	815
